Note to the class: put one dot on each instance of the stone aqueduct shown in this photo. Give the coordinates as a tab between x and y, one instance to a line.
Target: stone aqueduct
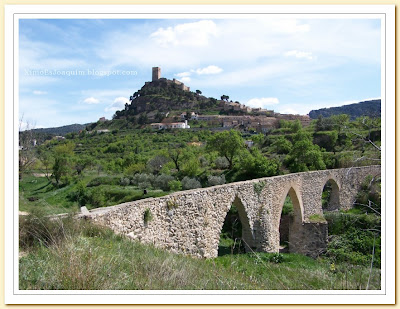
190	221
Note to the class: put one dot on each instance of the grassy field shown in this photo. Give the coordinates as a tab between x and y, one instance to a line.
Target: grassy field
73	254
39	193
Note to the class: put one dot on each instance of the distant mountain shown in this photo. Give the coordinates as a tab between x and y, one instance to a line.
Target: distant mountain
61	130
370	108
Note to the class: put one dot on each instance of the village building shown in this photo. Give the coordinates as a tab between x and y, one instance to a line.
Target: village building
171	125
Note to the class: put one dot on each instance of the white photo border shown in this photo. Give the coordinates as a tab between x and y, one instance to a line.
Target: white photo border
13	13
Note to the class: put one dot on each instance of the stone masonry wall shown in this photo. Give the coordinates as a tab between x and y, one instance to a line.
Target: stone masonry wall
190	222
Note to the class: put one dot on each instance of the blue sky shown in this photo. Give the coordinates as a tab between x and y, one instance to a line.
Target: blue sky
282	63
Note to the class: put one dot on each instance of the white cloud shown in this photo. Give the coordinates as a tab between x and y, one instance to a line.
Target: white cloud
118	104
299	54
187	34
39	92
262	102
183	74
289	111
185	79
211	69
91	100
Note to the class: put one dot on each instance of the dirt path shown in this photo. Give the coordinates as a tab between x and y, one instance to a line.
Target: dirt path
39	174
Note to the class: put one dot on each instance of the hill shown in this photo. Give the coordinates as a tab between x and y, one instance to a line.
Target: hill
370	108
62	130
157	98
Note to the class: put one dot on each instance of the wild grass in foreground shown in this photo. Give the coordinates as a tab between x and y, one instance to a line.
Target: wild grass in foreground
70	254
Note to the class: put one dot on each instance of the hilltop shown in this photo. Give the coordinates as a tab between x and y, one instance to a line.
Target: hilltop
169	101
370	108
62	130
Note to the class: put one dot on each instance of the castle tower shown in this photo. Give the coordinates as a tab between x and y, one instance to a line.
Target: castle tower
156	74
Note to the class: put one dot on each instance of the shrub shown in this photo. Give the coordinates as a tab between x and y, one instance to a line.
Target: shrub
316	218
155	164
352	238
143	180
276	258
203	161
172	204
221	163
36	229
162	182
147	216
134	169
175	185
190	183
103	181
258	186
287	208
79	194
124	181
216	180
96	198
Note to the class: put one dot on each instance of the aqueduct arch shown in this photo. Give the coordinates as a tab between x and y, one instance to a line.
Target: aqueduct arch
334	199
247	234
287	223
194	223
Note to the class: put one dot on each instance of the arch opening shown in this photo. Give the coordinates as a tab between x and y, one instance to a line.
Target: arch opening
368	198
330	196
291	216
236	236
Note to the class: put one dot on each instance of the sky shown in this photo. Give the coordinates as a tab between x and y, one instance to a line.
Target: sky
78	70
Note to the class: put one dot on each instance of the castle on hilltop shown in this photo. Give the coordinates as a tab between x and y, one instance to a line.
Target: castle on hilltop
156	78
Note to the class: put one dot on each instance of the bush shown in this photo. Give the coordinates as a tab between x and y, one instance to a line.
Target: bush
96	198
124	181
36	230
221	163
103	181
203	161
79	194
190	183
216	180
162	182
143	181
134	169
147	216
175	185
352	238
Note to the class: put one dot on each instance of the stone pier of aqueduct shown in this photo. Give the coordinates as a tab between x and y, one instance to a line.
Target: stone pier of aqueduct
190	221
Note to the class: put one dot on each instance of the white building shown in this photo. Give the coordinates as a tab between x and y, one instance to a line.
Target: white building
172	125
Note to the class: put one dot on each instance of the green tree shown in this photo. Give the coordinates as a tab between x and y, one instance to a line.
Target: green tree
62	158
175	153
281	145
191	167
156	164
258	139
228	144
46	159
304	155
143	119
254	163
82	163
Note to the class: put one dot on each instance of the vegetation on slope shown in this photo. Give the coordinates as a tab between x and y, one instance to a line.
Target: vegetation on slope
370	108
163	96
126	164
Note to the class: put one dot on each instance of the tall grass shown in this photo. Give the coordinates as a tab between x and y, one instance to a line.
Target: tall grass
70	254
